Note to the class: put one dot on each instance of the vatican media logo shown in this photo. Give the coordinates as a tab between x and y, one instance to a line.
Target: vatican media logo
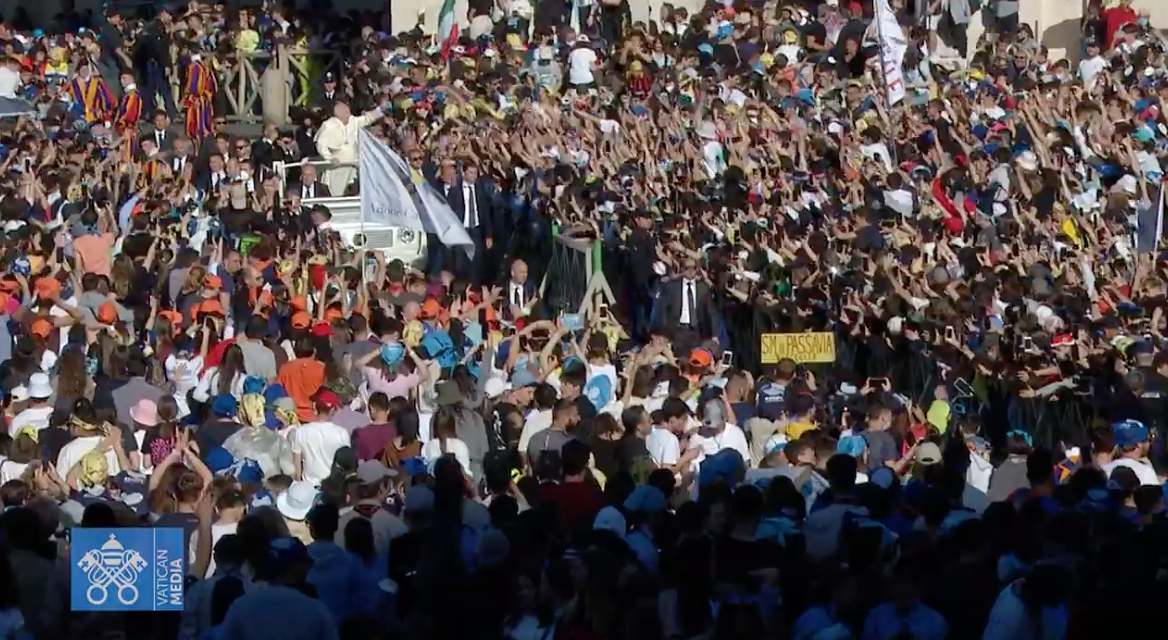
127	570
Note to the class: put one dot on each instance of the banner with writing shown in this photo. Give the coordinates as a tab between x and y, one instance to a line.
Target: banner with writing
801	347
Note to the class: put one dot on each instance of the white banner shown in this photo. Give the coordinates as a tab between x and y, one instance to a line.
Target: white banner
892	48
393	194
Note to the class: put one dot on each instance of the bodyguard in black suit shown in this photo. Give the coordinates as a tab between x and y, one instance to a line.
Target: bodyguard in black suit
472	200
160	132
687	309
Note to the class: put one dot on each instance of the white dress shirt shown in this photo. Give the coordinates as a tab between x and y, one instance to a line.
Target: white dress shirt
470	216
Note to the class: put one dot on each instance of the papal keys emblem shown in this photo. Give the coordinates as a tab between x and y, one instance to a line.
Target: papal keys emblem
112	566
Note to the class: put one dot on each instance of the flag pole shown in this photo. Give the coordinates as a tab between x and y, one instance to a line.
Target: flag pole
878	6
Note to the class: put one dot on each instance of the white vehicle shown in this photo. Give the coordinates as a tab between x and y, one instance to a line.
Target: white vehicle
396	243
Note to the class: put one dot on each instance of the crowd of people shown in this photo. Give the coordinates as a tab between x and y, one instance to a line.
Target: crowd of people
358	447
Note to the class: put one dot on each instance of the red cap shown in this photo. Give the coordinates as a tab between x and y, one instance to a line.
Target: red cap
326	399
322	330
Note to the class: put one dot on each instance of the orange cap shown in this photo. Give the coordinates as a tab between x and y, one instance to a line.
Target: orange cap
299	303
172	316
301	320
701	358
213	282
40	328
431	308
47	287
107	313
333	313
211	306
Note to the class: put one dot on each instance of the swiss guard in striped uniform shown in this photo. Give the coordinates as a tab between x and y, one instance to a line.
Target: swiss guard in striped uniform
198	96
92	100
129	113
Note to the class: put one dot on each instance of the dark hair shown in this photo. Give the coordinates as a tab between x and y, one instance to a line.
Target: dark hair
544	396
232	365
226	591
407	425
359	539
378	401
574	457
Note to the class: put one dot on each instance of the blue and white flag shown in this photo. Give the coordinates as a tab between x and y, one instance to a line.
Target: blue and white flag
395	195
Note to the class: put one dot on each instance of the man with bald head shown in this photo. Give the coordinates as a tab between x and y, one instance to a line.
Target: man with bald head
519	292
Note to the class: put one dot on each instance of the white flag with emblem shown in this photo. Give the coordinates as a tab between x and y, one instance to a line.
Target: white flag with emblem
395	195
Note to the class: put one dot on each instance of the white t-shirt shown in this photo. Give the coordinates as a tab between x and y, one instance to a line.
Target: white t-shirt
317	444
73	452
731	437
218	530
1144	472
10	470
1091	67
36	417
606	370
184	373
432	450
664	447
580	63
535	422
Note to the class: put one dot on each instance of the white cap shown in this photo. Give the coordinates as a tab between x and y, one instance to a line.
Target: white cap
495	387
39	386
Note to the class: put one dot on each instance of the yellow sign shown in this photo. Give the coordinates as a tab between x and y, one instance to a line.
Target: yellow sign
800	347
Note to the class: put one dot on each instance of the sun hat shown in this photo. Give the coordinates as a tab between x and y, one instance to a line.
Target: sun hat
298	500
145	412
39	386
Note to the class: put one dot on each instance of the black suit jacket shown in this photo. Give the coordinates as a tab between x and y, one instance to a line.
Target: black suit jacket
457	201
530	291
321	190
704	319
202	180
167	141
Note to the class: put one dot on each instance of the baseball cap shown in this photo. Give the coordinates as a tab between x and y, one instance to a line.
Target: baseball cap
1128	433
373	471
326	399
929	453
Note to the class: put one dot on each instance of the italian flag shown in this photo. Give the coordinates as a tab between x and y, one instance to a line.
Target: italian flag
447	27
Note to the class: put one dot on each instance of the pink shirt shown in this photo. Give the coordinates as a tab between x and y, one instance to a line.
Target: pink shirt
399	386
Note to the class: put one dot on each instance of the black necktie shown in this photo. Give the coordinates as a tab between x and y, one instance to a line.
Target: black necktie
517	294
307	191
473	208
159	136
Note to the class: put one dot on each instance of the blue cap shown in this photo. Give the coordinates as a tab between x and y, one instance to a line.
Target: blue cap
1143	134
274	393
725	465
852	445
219	459
283	551
225	405
249	471
1129	433
646	499
392	353
253	384
522	377
706	48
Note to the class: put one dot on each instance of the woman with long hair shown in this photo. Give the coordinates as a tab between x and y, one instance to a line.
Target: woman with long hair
227	378
158	441
404	453
445	441
73	379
